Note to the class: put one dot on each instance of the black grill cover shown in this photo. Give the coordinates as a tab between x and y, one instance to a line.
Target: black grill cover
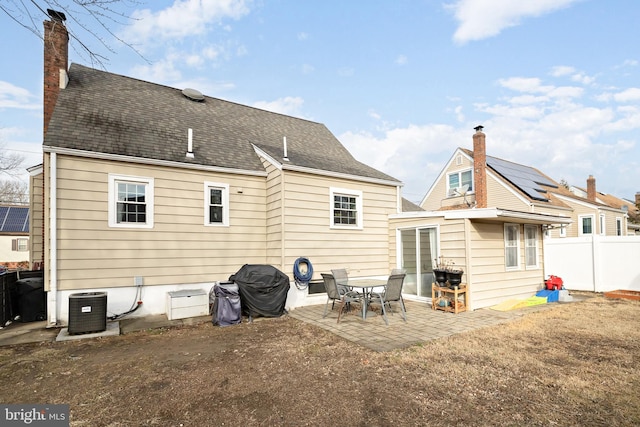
263	289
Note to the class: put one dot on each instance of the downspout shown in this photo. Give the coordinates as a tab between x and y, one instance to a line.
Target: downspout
282	219
594	273
467	261
53	241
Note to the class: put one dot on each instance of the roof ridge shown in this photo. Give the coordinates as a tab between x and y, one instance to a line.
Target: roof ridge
206	96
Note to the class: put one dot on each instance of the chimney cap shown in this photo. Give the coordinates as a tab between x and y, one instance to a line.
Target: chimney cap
479	128
56	16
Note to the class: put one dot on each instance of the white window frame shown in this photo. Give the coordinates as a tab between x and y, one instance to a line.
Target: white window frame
225	203
619	223
450	192
508	246
528	247
581	219
602	224
21	245
114	180
357	194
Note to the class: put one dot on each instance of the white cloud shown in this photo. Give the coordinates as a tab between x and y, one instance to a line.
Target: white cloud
12	96
413	154
534	85
627	63
562	70
184	18
374	115
289	105
628	95
481	19
303	36
524	84
459	114
402	60
544	126
163	71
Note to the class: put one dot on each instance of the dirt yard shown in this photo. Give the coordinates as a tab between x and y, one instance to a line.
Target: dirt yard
572	365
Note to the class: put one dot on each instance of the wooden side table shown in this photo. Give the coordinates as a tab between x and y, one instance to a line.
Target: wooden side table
455	305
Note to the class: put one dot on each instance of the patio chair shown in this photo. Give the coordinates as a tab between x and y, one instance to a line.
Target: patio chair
391	293
333	295
342	278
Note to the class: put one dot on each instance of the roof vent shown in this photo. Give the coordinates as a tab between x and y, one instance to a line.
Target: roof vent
193	95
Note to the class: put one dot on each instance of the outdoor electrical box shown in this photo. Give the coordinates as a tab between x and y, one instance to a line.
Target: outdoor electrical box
187	303
87	312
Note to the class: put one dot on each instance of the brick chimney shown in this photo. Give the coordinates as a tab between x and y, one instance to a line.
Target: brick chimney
591	188
479	167
56	54
638	199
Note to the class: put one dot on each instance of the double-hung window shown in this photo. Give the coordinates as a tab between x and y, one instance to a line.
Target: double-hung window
459	179
216	204
511	246
20	245
602	224
531	246
346	208
130	201
586	224
618	226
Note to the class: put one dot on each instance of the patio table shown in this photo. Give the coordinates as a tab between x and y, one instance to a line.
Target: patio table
366	287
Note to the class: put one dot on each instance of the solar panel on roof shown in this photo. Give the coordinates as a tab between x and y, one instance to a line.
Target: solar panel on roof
14	219
526	178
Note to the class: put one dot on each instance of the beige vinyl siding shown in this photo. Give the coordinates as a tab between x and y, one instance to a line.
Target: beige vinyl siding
610	223
438	193
438	196
491	283
36	230
573	229
499	196
178	249
308	231
273	214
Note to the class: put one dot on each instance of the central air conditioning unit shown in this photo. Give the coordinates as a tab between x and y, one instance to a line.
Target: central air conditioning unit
87	312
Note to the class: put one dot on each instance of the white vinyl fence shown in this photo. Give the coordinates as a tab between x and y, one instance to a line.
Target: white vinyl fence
594	263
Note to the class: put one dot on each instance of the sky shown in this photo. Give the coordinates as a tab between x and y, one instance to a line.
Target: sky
402	84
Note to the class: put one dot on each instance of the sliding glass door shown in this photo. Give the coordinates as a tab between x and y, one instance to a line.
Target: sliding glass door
419	251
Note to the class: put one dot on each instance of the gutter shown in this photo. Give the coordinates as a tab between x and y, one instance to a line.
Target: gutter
495	213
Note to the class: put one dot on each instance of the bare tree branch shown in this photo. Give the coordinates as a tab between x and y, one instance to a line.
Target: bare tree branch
10	162
89	19
14	193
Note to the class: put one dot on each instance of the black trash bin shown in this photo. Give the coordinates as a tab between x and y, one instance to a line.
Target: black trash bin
32	300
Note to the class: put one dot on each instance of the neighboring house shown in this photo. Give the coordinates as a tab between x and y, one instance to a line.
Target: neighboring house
485	215
149	189
589	213
14	236
625	219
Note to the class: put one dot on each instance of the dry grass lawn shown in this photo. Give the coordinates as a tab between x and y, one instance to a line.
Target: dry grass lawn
571	365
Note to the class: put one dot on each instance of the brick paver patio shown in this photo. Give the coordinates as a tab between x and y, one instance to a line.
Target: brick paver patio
423	323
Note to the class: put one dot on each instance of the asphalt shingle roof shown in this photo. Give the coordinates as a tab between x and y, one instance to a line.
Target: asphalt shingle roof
109	113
